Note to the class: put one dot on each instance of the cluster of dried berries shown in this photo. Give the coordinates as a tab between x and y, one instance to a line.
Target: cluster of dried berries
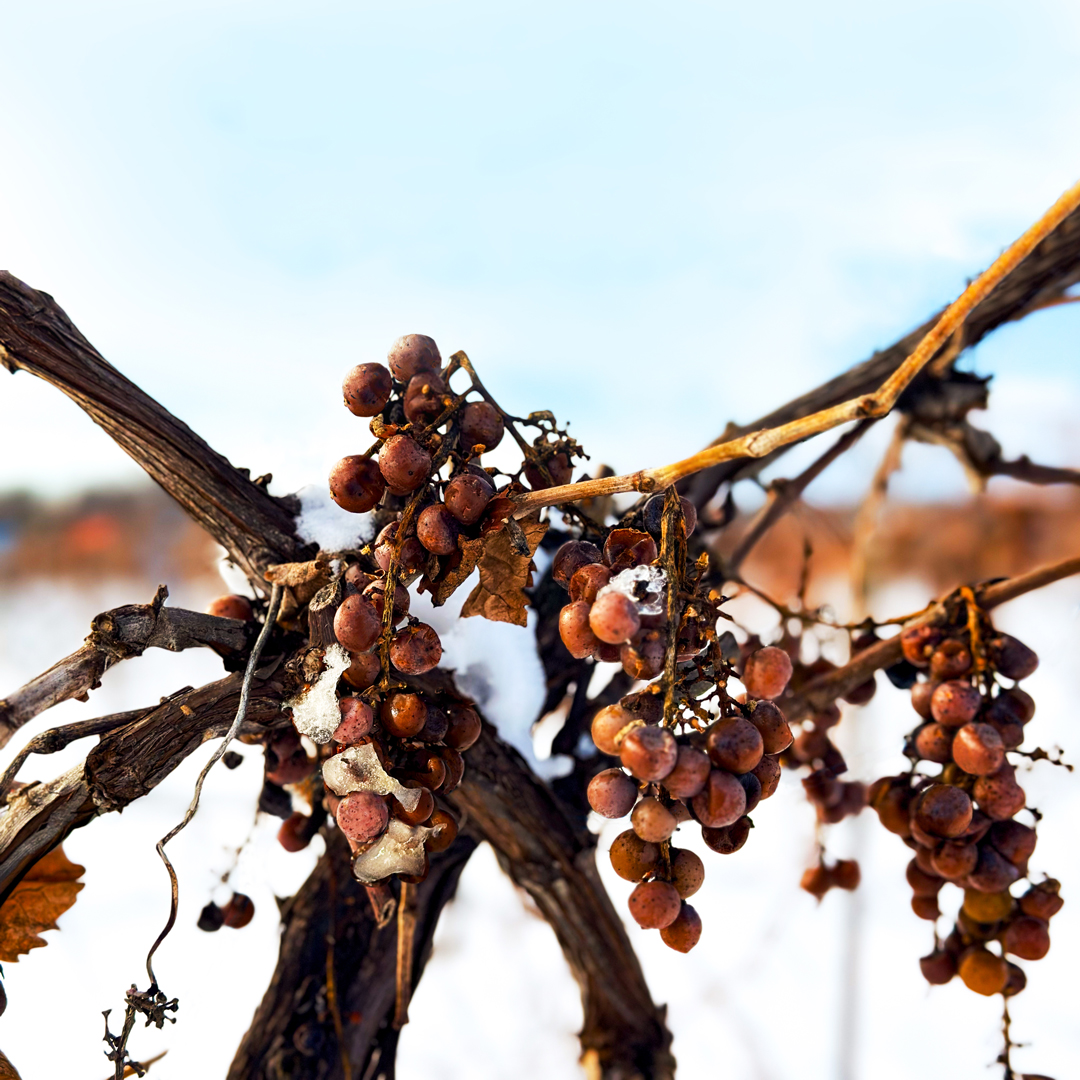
960	821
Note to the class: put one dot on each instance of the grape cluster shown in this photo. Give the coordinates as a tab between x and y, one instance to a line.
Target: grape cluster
714	775
960	822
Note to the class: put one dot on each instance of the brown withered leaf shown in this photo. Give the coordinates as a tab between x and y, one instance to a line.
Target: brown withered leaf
44	894
504	574
7	1070
453	570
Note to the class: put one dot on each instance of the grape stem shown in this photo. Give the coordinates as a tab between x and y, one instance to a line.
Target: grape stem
758	444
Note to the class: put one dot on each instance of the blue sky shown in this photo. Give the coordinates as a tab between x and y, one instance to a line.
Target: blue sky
619	211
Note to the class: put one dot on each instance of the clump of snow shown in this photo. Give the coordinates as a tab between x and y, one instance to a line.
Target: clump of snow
316	713
400	850
358	769
321	521
642	584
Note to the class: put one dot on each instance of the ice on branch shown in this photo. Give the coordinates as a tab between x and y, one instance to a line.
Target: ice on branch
358	769
642	584
316	713
400	850
321	521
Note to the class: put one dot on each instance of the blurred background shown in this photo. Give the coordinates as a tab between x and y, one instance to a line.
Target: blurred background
651	223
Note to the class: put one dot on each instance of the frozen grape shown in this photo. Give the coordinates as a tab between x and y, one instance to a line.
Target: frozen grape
588	580
1042	900
356	624
362	816
286	759
404	464
435	727
982	971
239	911
691	770
943	810
467	496
413	554
232	607
423	810
625	548
938	968
721	802
614	618
376	593
643	656
1013	704
411	354
923	883
727	839
576	631
403	715
950	660
684	932
1015	841
424	398
766	672
294	834
437	529
954	861
211	918
955	703
632	858
933	742
367	389
918	644
357	720
993	873
687	872
606	726
612	794
357	578
558	468
770	721
655	904
1012	658
652	820
649	753
464	729
481	425
447	829
921	693
926	907
356	484
999	795
987	907
363	671
734	744
654	515
978	749
415	649
767	771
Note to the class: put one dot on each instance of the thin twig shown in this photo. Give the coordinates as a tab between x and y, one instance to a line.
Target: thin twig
406	933
757	444
241	712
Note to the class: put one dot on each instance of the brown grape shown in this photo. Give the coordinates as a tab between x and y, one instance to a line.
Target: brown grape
357	720
464	727
1016	842
356	624
437	529
721	802
999	795
982	971
632	858
649	753
481	425
687	872
643	656
653	514
607	724
767	771
1013	704
211	918
861	694
424	808
358	578
734	744
770	721
424	398
978	749
652	820
993	872
376	593
576	631
727	839
752	786
938	968
232	607
933	742
921	693
356	484
950	660
614	618
587	581
404	463
685	932
571	557
892	804
294	833
954	861
367	389
612	794
766	672
655	904
363	671
411	354
955	703
922	883
987	907
943	810
239	911
1043	900
1012	658
413	554
403	715
558	468
467	496
918	644
415	649
926	907
435	727
624	548
455	768
691	770
447	827
1016	982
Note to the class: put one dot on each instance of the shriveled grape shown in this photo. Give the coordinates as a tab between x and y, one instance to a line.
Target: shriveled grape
612	794
614	618
437	529
687	872
766	672
357	624
411	354
684	932
655	904
576	630
467	496
404	463
632	858
692	768
481	425
978	749
652	820
356	484
367	389
734	744
649	752
415	649
721	802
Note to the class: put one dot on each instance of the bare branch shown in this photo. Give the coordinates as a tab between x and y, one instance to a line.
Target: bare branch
824	690
118	635
37	336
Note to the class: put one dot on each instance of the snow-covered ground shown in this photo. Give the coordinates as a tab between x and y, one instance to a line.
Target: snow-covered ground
779	987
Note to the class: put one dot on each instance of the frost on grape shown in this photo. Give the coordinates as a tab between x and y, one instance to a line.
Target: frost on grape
315	711
400	850
642	584
358	769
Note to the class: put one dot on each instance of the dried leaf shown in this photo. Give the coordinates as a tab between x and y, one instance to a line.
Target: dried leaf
44	894
504	574
455	570
7	1070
